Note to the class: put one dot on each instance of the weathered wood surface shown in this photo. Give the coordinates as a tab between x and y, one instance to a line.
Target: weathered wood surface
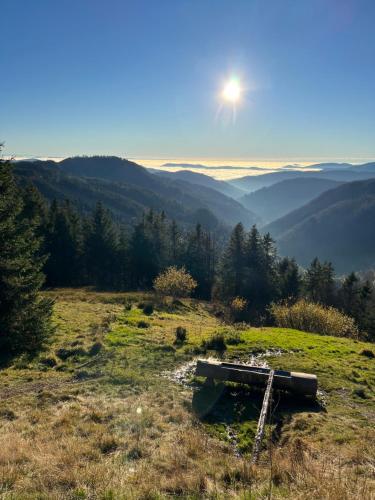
262	418
295	382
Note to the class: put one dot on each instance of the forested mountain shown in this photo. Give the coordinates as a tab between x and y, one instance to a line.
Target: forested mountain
203	180
128	189
337	226
336	172
281	198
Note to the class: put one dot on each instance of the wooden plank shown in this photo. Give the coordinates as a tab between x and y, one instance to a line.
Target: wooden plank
262	418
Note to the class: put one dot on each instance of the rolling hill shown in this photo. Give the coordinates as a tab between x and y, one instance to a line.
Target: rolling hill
333	171
202	180
338	226
277	200
128	189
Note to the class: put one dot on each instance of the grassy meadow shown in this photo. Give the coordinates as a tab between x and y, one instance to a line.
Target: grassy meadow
102	412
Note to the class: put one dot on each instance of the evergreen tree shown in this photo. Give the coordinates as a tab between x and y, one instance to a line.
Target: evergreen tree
232	267
64	246
319	282
261	285
289	279
25	317
101	249
200	260
143	269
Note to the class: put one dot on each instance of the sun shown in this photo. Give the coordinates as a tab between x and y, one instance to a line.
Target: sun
232	91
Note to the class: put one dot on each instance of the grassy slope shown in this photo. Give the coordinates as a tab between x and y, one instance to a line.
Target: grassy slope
111	426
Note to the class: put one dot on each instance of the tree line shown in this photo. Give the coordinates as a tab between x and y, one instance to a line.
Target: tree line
95	251
55	245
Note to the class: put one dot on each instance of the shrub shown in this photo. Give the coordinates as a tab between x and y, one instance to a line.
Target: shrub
175	282
50	362
181	335
64	354
143	324
238	308
215	343
311	317
368	353
127	305
148	308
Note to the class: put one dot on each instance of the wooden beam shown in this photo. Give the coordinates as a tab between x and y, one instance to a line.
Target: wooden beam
262	418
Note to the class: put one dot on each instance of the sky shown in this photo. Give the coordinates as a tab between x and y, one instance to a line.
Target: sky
143	79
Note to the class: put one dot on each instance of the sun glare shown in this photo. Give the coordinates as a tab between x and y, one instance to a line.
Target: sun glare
232	91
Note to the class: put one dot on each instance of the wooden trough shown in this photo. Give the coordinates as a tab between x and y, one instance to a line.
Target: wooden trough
304	384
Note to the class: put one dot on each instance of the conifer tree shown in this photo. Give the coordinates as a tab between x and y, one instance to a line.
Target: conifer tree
25	317
289	279
319	282
63	244
101	249
232	267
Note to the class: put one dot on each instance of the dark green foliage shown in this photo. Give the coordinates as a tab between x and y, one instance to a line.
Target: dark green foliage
148	308
142	324
249	270
25	317
50	362
319	282
232	267
101	247
290	280
215	343
367	353
63	244
64	353
200	260
181	335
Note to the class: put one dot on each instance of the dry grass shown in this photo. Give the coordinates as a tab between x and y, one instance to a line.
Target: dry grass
120	431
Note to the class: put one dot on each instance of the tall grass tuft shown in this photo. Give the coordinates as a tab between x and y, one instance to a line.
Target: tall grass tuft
311	317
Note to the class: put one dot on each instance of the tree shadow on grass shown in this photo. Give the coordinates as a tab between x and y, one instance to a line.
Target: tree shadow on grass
240	405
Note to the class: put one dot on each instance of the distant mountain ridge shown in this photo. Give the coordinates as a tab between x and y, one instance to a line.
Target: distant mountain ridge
202	180
342	172
338	226
128	189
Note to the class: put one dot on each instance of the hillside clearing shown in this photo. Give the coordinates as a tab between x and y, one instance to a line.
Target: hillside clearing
96	416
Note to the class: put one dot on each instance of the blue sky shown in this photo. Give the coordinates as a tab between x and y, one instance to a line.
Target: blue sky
142	78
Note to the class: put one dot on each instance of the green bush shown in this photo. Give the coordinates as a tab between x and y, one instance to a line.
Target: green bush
148	308
215	343
143	324
315	318
181	335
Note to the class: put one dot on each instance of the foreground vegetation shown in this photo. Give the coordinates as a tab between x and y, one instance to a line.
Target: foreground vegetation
100	414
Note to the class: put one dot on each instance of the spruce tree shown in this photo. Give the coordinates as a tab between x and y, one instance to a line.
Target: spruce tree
101	249
319	282
64	246
25	317
289	279
232	266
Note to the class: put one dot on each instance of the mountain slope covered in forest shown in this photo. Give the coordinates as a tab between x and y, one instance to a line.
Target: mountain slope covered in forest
277	200
337	226
128	189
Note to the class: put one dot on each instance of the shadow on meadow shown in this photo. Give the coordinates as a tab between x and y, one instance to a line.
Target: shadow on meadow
222	406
